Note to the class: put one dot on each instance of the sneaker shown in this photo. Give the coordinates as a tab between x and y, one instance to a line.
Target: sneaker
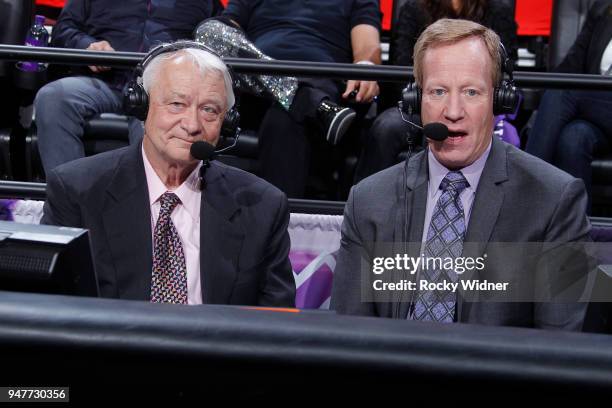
336	120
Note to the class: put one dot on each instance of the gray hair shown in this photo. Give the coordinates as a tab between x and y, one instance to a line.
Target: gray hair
202	59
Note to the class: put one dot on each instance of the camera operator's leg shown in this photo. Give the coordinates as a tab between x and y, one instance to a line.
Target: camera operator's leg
284	136
316	100
284	152
384	142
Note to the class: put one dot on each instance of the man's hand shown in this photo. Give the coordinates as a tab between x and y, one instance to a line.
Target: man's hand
366	90
100	46
365	42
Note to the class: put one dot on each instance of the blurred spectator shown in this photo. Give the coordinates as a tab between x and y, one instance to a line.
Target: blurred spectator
387	137
62	107
341	31
217	8
573	125
49	8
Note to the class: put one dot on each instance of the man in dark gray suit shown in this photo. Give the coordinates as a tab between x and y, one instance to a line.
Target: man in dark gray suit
156	235
459	198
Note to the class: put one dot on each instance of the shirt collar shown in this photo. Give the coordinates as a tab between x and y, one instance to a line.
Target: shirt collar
472	173
188	192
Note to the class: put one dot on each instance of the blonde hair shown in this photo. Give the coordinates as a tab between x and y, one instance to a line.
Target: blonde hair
448	31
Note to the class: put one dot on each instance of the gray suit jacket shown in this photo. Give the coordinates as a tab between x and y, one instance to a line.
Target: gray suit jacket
519	199
244	244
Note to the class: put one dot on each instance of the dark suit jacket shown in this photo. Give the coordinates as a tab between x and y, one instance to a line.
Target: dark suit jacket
244	243
584	57
519	199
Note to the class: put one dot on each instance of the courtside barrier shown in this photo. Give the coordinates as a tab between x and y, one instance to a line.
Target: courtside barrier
315	238
292	68
225	351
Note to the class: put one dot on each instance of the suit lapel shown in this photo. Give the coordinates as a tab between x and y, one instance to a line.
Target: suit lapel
127	222
221	238
601	37
485	212
412	208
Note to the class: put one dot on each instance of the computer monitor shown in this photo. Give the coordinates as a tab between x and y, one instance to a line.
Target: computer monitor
46	259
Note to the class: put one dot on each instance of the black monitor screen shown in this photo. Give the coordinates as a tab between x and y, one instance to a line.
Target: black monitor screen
46	259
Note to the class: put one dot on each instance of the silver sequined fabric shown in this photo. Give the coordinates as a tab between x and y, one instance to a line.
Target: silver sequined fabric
228	41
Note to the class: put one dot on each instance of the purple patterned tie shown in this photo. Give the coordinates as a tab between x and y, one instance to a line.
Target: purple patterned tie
444	240
169	280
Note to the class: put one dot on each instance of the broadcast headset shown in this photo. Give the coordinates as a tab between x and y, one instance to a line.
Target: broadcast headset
505	97
136	99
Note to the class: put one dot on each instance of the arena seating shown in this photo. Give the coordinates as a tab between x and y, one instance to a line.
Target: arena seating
106	132
15	16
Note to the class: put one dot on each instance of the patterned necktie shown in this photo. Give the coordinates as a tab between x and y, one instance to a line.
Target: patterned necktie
169	280
444	240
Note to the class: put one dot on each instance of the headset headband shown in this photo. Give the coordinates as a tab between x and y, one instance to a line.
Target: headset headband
176	46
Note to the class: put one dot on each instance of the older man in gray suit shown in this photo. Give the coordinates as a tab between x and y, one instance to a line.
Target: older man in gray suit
461	196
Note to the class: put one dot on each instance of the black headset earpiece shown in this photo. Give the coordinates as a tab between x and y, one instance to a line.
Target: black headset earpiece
136	99
231	122
411	99
505	97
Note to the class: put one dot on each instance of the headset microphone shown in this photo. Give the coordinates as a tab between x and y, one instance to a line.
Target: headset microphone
435	131
202	151
206	152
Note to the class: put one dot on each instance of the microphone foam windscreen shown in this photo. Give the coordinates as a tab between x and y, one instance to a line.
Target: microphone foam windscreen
436	131
202	150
